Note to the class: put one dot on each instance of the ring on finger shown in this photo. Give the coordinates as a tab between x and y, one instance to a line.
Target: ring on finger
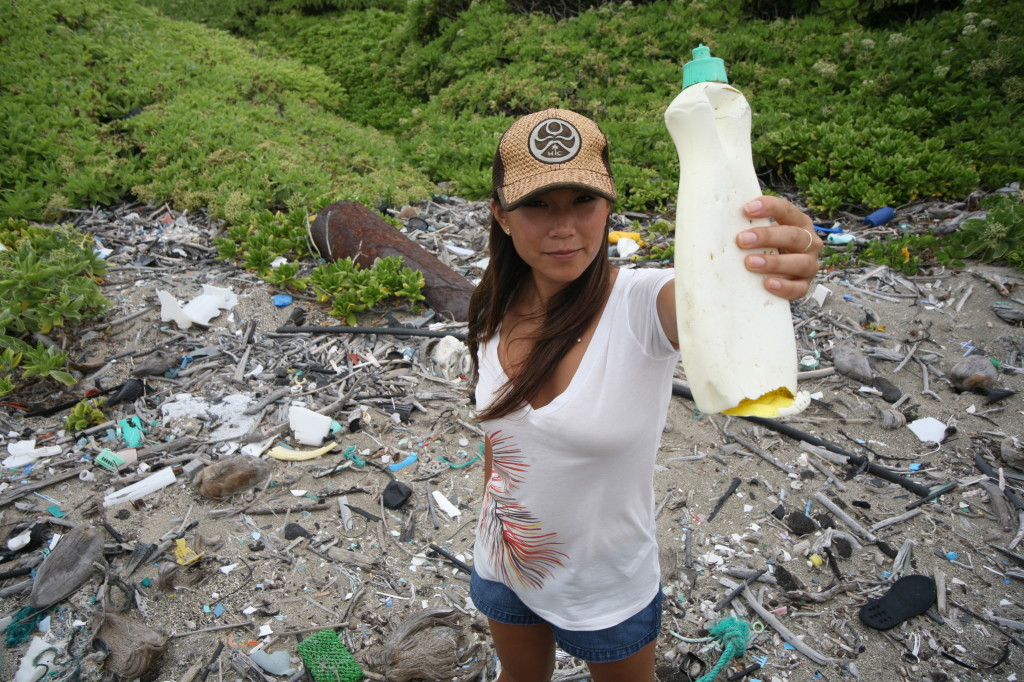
810	242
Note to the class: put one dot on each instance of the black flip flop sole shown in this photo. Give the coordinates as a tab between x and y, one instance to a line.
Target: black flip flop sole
909	596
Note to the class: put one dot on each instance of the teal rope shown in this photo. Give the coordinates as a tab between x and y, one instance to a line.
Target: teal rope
21	628
732	633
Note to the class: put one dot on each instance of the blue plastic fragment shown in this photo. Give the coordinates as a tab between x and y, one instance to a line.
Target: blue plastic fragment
952	556
880	217
219	610
282	300
404	463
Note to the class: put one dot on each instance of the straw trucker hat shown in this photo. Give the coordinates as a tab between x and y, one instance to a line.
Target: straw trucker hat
551	149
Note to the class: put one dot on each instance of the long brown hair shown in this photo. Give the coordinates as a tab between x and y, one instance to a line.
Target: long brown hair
567	316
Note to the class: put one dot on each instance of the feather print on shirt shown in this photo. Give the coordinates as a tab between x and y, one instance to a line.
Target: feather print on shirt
523	553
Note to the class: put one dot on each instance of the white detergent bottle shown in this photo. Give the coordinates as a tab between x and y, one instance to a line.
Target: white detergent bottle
736	339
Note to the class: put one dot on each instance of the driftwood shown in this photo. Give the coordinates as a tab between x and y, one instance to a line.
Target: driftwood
346	229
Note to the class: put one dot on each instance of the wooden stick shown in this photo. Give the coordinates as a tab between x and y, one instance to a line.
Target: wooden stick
783	631
226	626
885	523
854	526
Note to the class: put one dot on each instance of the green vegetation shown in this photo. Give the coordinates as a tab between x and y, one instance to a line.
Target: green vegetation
263	111
84	414
47	279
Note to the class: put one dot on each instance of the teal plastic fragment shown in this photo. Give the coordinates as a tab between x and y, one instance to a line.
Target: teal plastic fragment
132	431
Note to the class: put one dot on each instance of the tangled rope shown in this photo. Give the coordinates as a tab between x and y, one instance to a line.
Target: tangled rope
732	633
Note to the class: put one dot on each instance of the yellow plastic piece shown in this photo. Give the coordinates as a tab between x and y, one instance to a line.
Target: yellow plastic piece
185	554
615	235
816	560
289	455
767	405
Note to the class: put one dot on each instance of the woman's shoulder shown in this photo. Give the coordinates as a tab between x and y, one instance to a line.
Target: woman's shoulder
643	278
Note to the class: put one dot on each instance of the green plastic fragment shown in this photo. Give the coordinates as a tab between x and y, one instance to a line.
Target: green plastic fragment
132	431
327	659
352	454
108	460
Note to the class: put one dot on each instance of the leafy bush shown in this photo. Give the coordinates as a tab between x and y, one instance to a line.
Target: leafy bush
997	237
106	99
352	289
47	280
857	102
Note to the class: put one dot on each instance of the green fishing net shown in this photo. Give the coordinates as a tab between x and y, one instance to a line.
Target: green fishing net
327	659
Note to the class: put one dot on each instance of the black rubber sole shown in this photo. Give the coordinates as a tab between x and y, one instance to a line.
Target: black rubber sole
909	596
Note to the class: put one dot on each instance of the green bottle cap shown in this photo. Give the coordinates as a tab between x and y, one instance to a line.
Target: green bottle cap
703	68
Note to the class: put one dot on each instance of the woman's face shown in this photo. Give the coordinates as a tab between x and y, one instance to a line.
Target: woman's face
557	233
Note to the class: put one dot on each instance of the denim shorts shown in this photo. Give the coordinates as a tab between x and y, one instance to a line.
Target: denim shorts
498	602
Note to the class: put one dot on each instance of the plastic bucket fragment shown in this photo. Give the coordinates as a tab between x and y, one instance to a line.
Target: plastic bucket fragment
309	427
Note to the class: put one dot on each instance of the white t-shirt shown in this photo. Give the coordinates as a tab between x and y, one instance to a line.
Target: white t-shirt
568	514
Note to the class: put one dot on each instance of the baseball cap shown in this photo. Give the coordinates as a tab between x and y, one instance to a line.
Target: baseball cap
551	149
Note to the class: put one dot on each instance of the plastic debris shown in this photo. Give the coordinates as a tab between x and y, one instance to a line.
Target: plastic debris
135	491
309	427
928	429
25	452
200	310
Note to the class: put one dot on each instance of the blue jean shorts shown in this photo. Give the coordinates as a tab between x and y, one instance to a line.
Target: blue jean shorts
498	602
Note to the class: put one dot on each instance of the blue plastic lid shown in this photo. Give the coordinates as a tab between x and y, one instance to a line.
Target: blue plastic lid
703	68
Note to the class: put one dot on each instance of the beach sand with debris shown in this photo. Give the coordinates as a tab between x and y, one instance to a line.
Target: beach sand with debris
266	567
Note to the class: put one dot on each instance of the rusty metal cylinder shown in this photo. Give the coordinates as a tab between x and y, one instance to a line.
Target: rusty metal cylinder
347	229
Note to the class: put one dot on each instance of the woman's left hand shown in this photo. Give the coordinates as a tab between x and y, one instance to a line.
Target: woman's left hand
788	273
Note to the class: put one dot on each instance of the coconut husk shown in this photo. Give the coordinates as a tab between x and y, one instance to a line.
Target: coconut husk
423	647
133	646
232	475
68	566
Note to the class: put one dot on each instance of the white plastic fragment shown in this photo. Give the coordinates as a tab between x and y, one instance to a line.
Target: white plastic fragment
626	247
200	310
36	662
928	429
25	452
150	484
19	541
309	427
446	506
819	294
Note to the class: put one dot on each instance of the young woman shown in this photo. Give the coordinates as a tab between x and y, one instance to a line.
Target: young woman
574	363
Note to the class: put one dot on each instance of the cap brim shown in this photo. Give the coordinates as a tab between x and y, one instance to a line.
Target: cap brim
515	194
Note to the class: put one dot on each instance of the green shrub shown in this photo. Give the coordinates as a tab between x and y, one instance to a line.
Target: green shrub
47	281
997	237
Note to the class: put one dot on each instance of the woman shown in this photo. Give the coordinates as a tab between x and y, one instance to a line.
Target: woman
574	363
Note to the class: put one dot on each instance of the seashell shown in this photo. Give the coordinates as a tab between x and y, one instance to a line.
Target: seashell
892	419
66	567
232	475
133	645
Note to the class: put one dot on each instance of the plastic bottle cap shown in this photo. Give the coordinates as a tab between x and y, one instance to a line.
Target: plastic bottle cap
703	68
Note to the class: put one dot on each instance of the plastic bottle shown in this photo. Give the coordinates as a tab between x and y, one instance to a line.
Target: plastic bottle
736	339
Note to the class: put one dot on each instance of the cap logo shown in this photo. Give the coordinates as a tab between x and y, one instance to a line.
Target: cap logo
555	141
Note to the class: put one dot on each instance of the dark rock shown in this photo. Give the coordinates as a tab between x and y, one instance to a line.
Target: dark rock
294	530
396	494
800	523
